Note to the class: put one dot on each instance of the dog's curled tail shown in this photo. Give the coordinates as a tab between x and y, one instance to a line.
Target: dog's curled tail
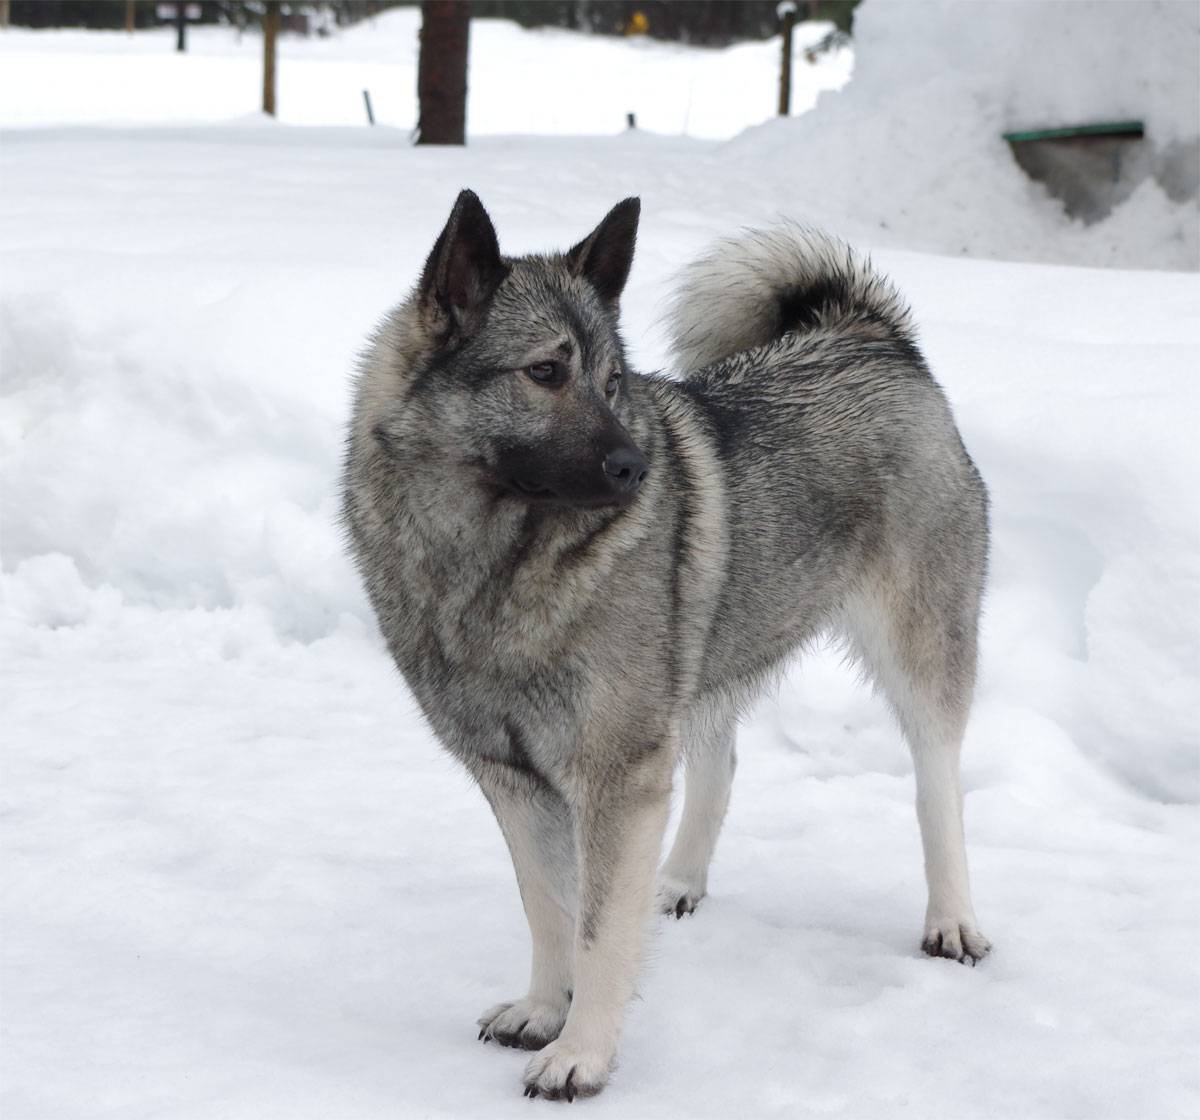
749	290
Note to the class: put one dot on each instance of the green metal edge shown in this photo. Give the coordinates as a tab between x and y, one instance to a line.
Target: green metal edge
1108	128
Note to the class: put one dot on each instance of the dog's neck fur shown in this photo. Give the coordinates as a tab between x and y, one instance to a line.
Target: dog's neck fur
533	570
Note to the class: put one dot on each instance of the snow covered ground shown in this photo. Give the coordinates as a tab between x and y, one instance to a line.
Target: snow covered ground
543	81
241	880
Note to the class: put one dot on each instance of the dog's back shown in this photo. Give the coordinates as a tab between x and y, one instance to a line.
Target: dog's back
841	460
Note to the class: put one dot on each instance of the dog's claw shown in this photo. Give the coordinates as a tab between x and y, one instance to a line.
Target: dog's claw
963	943
523	1025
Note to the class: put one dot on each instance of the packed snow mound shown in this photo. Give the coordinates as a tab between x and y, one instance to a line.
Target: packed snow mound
1043	63
911	151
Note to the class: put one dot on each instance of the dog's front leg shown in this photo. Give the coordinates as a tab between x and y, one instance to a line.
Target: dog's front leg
537	826
621	812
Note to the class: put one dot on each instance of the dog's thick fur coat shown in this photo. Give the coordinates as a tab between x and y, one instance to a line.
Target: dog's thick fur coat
585	573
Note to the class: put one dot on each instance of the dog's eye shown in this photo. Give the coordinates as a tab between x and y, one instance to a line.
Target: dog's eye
614	379
545	373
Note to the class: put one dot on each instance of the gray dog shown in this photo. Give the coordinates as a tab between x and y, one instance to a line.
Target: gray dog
584	572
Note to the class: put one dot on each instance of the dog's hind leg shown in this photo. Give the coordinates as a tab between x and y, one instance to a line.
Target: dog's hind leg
951	929
538	826
918	642
710	760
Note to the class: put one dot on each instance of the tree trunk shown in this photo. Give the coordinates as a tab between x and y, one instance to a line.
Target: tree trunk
181	26
130	15
270	32
442	72
788	20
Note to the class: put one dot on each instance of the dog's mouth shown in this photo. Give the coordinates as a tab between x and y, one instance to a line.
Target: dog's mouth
531	489
535	492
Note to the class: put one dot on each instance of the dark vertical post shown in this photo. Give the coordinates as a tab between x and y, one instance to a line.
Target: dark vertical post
130	15
787	20
270	34
367	102
181	26
442	72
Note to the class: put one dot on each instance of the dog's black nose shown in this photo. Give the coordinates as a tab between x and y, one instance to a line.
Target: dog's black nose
626	470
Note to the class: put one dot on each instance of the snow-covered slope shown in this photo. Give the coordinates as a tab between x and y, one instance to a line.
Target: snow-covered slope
242	881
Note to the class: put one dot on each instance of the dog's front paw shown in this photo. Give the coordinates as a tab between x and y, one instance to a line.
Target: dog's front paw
677	895
568	1071
956	938
526	1024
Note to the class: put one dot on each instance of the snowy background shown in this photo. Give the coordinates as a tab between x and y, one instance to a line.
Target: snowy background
241	880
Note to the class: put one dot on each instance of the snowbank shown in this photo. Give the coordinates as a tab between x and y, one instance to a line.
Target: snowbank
910	152
243	881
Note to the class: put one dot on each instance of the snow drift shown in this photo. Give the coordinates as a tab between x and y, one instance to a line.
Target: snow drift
911	151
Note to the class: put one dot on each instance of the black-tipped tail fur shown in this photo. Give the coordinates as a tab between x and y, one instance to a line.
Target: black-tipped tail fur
749	290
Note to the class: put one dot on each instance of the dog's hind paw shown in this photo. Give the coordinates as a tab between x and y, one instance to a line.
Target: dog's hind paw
526	1024
566	1071
957	939
677	896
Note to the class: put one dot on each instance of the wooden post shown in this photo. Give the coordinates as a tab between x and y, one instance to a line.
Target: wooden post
442	72
181	26
3	13
270	33
787	20
130	15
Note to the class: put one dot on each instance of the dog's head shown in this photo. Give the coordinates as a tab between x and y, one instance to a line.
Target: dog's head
519	371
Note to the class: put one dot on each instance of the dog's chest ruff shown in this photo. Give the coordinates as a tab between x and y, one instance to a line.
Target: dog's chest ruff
517	588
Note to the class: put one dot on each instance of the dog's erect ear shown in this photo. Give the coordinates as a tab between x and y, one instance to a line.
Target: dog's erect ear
605	256
464	270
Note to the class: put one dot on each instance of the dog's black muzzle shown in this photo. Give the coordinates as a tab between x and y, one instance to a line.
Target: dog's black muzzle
611	479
